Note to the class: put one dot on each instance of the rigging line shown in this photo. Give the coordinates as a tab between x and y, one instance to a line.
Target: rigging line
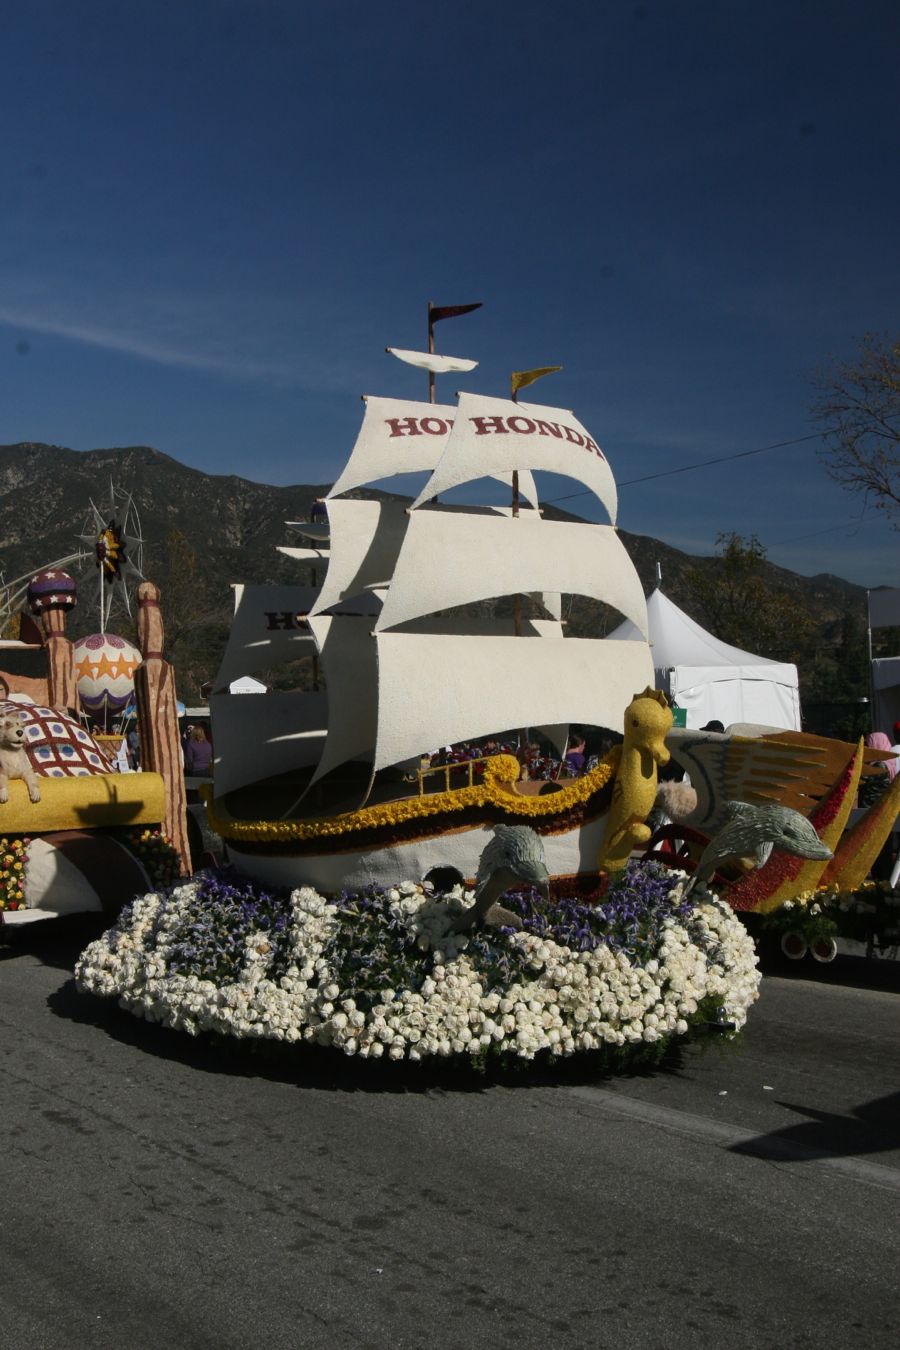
703	464
831	529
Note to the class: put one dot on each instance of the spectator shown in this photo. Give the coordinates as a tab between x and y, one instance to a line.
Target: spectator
134	748
575	757
198	755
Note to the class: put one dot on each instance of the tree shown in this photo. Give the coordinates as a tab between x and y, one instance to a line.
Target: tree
736	599
859	411
195	629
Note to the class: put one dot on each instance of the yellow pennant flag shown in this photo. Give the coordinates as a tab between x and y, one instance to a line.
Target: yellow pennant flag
522	377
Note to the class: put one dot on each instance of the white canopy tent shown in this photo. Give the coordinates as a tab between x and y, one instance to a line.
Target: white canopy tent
711	679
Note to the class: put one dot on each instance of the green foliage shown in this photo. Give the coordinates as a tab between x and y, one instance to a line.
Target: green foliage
739	602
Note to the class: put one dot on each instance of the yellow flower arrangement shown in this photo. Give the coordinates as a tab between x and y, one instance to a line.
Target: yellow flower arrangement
12	873
497	791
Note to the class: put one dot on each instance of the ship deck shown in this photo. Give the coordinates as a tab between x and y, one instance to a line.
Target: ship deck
282	797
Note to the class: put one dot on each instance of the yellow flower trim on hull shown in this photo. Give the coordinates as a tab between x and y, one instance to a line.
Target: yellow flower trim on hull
497	790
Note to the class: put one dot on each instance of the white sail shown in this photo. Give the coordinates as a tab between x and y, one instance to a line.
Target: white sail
437	365
310	529
494	435
557	735
397	436
349	660
492	626
306	555
400	436
454	559
257	738
268	629
365	543
551	601
440	690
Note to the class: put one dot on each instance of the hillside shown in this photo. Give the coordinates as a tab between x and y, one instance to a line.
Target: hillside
203	531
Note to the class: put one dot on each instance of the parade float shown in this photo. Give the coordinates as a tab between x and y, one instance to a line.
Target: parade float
326	785
77	836
361	909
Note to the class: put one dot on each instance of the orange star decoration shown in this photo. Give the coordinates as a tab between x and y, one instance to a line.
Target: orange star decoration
96	668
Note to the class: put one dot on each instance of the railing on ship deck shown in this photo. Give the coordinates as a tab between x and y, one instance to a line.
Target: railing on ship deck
464	769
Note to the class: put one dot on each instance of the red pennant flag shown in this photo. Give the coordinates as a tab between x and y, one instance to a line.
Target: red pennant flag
450	311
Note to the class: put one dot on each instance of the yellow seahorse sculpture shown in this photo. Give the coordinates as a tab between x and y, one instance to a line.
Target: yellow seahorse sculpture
647	720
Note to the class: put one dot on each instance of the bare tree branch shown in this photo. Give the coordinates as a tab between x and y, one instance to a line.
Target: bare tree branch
859	410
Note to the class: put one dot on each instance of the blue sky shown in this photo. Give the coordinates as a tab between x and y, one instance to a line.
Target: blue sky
216	215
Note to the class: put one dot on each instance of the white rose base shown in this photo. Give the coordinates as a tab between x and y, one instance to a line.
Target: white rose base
558	1002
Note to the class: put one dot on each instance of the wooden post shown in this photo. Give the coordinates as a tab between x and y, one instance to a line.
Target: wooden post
62	691
50	594
154	690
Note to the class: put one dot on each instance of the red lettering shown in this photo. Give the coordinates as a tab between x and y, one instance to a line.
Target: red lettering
523	425
592	445
549	429
435	426
485	425
403	426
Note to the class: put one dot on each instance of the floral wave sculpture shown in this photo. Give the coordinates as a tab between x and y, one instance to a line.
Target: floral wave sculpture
495	795
381	974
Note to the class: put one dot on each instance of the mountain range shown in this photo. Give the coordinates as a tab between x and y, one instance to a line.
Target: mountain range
201	532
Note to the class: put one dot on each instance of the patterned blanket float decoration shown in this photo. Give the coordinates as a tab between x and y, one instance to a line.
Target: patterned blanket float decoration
58	746
73	864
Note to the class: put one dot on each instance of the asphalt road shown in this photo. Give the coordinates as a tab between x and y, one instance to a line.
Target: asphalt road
158	1193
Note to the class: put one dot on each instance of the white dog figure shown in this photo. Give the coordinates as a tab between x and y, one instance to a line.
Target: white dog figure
14	761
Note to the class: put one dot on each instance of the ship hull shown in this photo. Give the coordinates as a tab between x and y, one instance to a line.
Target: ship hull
568	853
406	840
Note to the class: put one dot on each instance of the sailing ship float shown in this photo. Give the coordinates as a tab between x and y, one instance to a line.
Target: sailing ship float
325	787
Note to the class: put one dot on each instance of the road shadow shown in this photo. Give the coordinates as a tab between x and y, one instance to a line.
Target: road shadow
850	972
872	1127
56	943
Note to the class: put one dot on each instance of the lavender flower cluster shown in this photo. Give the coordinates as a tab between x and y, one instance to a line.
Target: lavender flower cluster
209	938
629	920
371	948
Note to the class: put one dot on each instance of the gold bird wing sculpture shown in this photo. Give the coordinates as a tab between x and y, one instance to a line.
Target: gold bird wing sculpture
725	768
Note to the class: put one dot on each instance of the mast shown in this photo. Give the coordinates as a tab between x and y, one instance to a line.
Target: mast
518	380
435	314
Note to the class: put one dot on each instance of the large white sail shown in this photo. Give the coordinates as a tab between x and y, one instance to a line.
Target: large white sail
399	436
455	559
268	629
365	543
435	690
259	736
491	436
349	658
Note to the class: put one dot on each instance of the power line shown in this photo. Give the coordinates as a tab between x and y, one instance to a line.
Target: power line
703	464
830	529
